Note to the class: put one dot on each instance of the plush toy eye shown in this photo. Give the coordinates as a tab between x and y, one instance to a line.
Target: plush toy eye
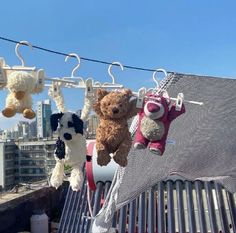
108	103
61	125
120	105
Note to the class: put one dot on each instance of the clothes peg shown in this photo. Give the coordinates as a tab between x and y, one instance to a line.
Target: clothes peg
179	101
188	101
141	96
3	75
40	76
89	87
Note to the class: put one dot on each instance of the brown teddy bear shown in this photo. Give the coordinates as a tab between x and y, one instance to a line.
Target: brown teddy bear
112	136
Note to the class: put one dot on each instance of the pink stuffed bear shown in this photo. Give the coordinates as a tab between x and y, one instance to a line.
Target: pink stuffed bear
154	122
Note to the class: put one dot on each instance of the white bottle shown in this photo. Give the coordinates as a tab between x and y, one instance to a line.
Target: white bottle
39	222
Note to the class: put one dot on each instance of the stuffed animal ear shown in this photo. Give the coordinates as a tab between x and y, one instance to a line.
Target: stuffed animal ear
127	92
54	120
101	93
78	124
96	106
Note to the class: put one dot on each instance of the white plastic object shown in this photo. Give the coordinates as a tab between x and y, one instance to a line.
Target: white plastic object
155	78
165	94
3	76
189	101
109	71
179	101
89	87
140	99
22	67
76	67
40	76
39	222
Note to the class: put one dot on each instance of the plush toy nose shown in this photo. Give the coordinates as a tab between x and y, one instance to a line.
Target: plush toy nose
151	107
115	110
67	136
19	95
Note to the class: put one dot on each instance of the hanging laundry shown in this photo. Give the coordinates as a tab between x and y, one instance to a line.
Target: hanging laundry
204	147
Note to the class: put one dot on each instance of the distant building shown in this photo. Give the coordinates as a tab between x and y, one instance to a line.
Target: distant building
20	130
35	160
44	112
6	134
33	129
8	162
25	161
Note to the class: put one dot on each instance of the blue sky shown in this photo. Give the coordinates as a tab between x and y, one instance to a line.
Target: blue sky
196	37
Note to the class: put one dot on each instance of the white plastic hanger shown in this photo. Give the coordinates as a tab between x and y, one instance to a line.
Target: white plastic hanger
113	83
22	67
79	80
37	74
141	94
157	89
155	79
71	81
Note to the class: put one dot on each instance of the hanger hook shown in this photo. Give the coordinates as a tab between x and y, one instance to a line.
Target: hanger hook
78	65
155	78
109	70
23	42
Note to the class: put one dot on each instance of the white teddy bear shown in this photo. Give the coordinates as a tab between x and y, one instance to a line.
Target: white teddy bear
21	85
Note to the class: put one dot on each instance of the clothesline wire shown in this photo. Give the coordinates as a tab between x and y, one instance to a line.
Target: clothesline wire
82	58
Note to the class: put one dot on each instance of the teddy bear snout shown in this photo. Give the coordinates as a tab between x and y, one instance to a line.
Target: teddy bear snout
115	110
152	108
19	95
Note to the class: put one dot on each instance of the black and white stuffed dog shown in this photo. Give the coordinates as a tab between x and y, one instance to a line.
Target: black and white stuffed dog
70	148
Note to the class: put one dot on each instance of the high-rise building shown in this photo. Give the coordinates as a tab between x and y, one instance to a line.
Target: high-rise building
35	160
33	129
25	161
8	152
44	112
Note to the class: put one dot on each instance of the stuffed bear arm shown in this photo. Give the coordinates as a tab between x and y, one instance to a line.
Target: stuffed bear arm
173	113
97	109
133	110
97	105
